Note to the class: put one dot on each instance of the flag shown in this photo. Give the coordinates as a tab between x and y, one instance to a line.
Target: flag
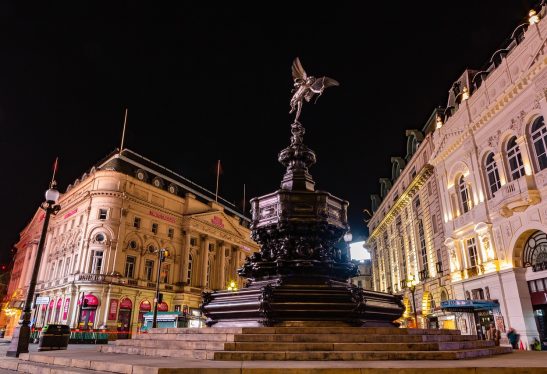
219	171
55	164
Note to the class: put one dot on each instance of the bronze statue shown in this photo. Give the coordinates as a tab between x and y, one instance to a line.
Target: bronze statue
305	87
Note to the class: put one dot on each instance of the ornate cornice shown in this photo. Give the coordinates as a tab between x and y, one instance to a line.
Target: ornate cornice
493	109
404	199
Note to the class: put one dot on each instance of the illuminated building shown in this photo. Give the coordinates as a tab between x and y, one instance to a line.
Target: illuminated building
488	157
100	262
406	234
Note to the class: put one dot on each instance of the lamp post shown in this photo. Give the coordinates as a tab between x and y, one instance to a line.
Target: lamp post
347	239
411	285
162	254
21	336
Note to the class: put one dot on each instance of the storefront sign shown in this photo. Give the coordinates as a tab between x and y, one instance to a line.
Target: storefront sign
41	300
217	221
538	298
71	213
162	216
126	304
113	310
65	309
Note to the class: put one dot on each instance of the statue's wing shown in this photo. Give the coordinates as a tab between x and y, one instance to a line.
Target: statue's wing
298	71
321	83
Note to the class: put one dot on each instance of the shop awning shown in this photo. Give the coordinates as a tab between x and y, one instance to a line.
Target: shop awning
468	306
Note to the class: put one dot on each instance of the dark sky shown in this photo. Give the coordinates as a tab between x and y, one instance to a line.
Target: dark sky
206	82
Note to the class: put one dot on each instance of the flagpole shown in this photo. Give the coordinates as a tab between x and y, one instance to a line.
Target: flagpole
123	132
218	176
54	170
243	198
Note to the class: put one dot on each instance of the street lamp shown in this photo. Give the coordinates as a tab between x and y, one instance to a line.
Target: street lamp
347	239
411	285
21	335
162	254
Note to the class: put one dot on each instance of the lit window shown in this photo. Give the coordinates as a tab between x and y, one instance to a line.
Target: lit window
423	247
464	195
130	266
539	139
148	269
102	214
514	158
472	250
96	261
165	273
492	174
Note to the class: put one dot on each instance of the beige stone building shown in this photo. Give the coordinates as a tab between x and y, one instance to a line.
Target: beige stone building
100	262
406	234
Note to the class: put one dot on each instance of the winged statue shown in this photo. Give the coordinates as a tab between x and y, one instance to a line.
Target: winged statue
306	87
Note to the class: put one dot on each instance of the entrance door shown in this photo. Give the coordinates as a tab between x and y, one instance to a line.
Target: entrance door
87	318
124	324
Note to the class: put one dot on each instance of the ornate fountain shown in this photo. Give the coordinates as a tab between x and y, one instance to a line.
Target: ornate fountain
300	276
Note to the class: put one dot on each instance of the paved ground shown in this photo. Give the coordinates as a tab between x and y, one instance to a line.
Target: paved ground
503	364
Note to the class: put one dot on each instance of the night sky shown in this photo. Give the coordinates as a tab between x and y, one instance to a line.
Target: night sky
206	82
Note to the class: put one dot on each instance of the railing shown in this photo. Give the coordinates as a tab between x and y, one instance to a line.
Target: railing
132	282
423	274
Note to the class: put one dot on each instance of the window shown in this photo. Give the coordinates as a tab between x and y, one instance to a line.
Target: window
102	214
165	273
478	294
423	247
67	266
171	232
514	158
132	244
360	284
75	263
492	174
100	238
434	223
211	247
487	292
193	242
189	273
472	250
539	139
464	195
80	220
130	266
417	202
60	269
148	269
96	261
137	223
155	228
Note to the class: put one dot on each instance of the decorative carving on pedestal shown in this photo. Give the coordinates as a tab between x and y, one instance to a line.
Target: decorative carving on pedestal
300	273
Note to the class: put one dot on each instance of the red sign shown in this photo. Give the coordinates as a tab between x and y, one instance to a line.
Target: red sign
217	221
65	310
162	216
538	298
42	216
126	304
71	213
163	307
59	302
113	310
145	306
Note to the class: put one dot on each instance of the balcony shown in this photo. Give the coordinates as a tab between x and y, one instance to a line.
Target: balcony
465	218
516	196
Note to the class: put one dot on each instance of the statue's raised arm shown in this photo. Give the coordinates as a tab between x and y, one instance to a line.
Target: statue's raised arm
305	87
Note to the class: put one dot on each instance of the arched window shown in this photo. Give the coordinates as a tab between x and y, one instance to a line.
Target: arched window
539	139
464	195
444	295
492	174
514	159
189	274
535	251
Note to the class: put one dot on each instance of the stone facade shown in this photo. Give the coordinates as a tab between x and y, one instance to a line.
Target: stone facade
489	160
364	279
406	233
102	246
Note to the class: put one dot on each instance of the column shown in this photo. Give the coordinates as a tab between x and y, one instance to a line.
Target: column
484	231
500	165
526	160
205	241
222	270
73	309
185	254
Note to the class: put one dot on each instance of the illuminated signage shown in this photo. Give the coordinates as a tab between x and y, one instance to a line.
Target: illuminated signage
217	221
71	213
162	216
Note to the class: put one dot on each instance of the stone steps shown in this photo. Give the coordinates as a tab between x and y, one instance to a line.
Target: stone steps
358	355
197	354
295	347
350	338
